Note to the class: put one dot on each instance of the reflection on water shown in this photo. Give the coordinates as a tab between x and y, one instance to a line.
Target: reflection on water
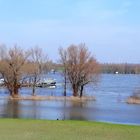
43	109
111	93
63	110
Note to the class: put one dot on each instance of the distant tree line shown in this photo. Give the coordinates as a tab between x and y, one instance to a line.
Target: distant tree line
111	68
124	68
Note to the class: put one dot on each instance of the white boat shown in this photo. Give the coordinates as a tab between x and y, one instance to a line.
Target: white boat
52	86
1	81
47	83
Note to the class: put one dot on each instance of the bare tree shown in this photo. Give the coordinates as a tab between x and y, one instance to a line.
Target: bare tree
37	63
12	61
63	61
82	68
89	73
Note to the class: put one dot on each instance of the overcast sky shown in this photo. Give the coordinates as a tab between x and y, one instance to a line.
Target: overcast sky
110	28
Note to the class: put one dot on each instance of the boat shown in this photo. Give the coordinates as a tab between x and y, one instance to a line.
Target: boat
1	82
47	83
52	86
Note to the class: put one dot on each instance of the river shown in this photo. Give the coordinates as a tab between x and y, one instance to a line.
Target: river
111	93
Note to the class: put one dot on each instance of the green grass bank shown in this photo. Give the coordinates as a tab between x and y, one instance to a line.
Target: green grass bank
22	129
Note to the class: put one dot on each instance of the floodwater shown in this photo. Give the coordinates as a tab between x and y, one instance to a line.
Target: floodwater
110	106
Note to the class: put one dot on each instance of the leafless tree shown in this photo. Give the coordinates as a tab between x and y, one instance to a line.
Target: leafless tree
63	61
82	68
38	61
12	61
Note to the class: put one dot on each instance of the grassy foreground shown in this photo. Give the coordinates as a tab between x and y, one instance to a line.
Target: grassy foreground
22	129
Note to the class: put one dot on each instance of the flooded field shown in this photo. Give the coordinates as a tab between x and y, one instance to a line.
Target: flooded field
111	93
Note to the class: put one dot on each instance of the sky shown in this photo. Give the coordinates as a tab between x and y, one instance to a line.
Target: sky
109	28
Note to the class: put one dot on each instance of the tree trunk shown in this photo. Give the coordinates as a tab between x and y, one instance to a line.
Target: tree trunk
14	92
34	85
75	90
65	81
33	90
65	91
81	91
65	84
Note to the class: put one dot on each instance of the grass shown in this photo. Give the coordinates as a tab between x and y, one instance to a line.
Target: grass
22	129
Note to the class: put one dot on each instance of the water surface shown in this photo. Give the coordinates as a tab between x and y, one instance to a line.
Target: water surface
111	93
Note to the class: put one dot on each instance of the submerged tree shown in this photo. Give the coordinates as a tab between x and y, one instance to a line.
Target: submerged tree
82	68
12	61
38	61
63	61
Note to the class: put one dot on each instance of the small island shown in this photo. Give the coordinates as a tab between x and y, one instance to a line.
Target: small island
55	98
133	100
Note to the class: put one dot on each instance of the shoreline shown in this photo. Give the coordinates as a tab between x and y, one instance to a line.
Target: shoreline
133	100
55	98
86	121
